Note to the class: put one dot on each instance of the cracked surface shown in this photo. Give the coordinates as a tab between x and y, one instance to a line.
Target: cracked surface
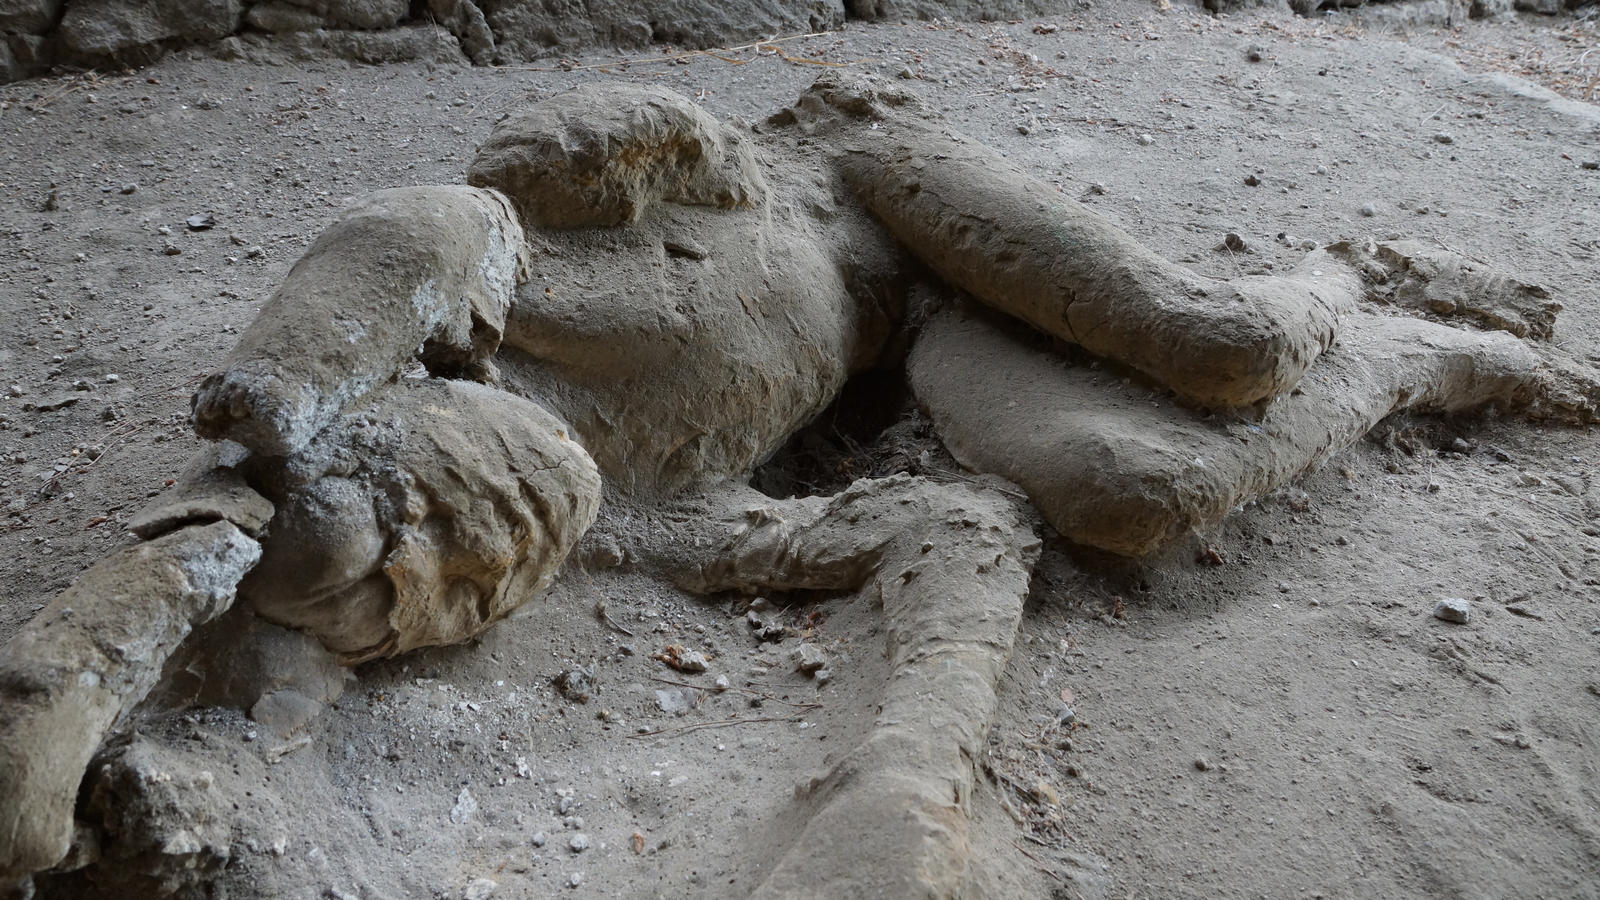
84	662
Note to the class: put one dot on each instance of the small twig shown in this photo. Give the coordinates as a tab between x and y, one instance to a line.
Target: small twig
184	383
1009	782
1043	866
804	706
1476	259
1238	271
600	609
605	618
115	438
971	480
803	60
1434	113
1546	507
69	88
720	723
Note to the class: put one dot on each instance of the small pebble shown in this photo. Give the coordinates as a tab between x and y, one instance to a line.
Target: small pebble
1369	210
1201	764
575	879
1232	241
1252	181
907	74
1066	717
1253	54
809	658
579	843
1322	170
1590	164
1146	140
128	188
479	889
1453	609
1444	137
171	249
538	839
690	661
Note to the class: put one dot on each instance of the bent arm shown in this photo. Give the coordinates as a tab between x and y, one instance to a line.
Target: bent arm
423	267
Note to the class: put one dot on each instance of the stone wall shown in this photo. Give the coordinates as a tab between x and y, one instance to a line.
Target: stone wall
38	34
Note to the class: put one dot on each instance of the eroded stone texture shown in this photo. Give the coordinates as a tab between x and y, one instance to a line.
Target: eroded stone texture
692	343
603	154
963	10
358	13
684	348
167	816
29	16
465	20
428	266
527	29
1414	275
950	565
209	489
85	660
1112	465
238	658
309	15
279	17
424	516
1015	243
673	369
134	30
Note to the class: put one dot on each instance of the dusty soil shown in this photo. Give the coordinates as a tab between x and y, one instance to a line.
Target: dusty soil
1293	722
